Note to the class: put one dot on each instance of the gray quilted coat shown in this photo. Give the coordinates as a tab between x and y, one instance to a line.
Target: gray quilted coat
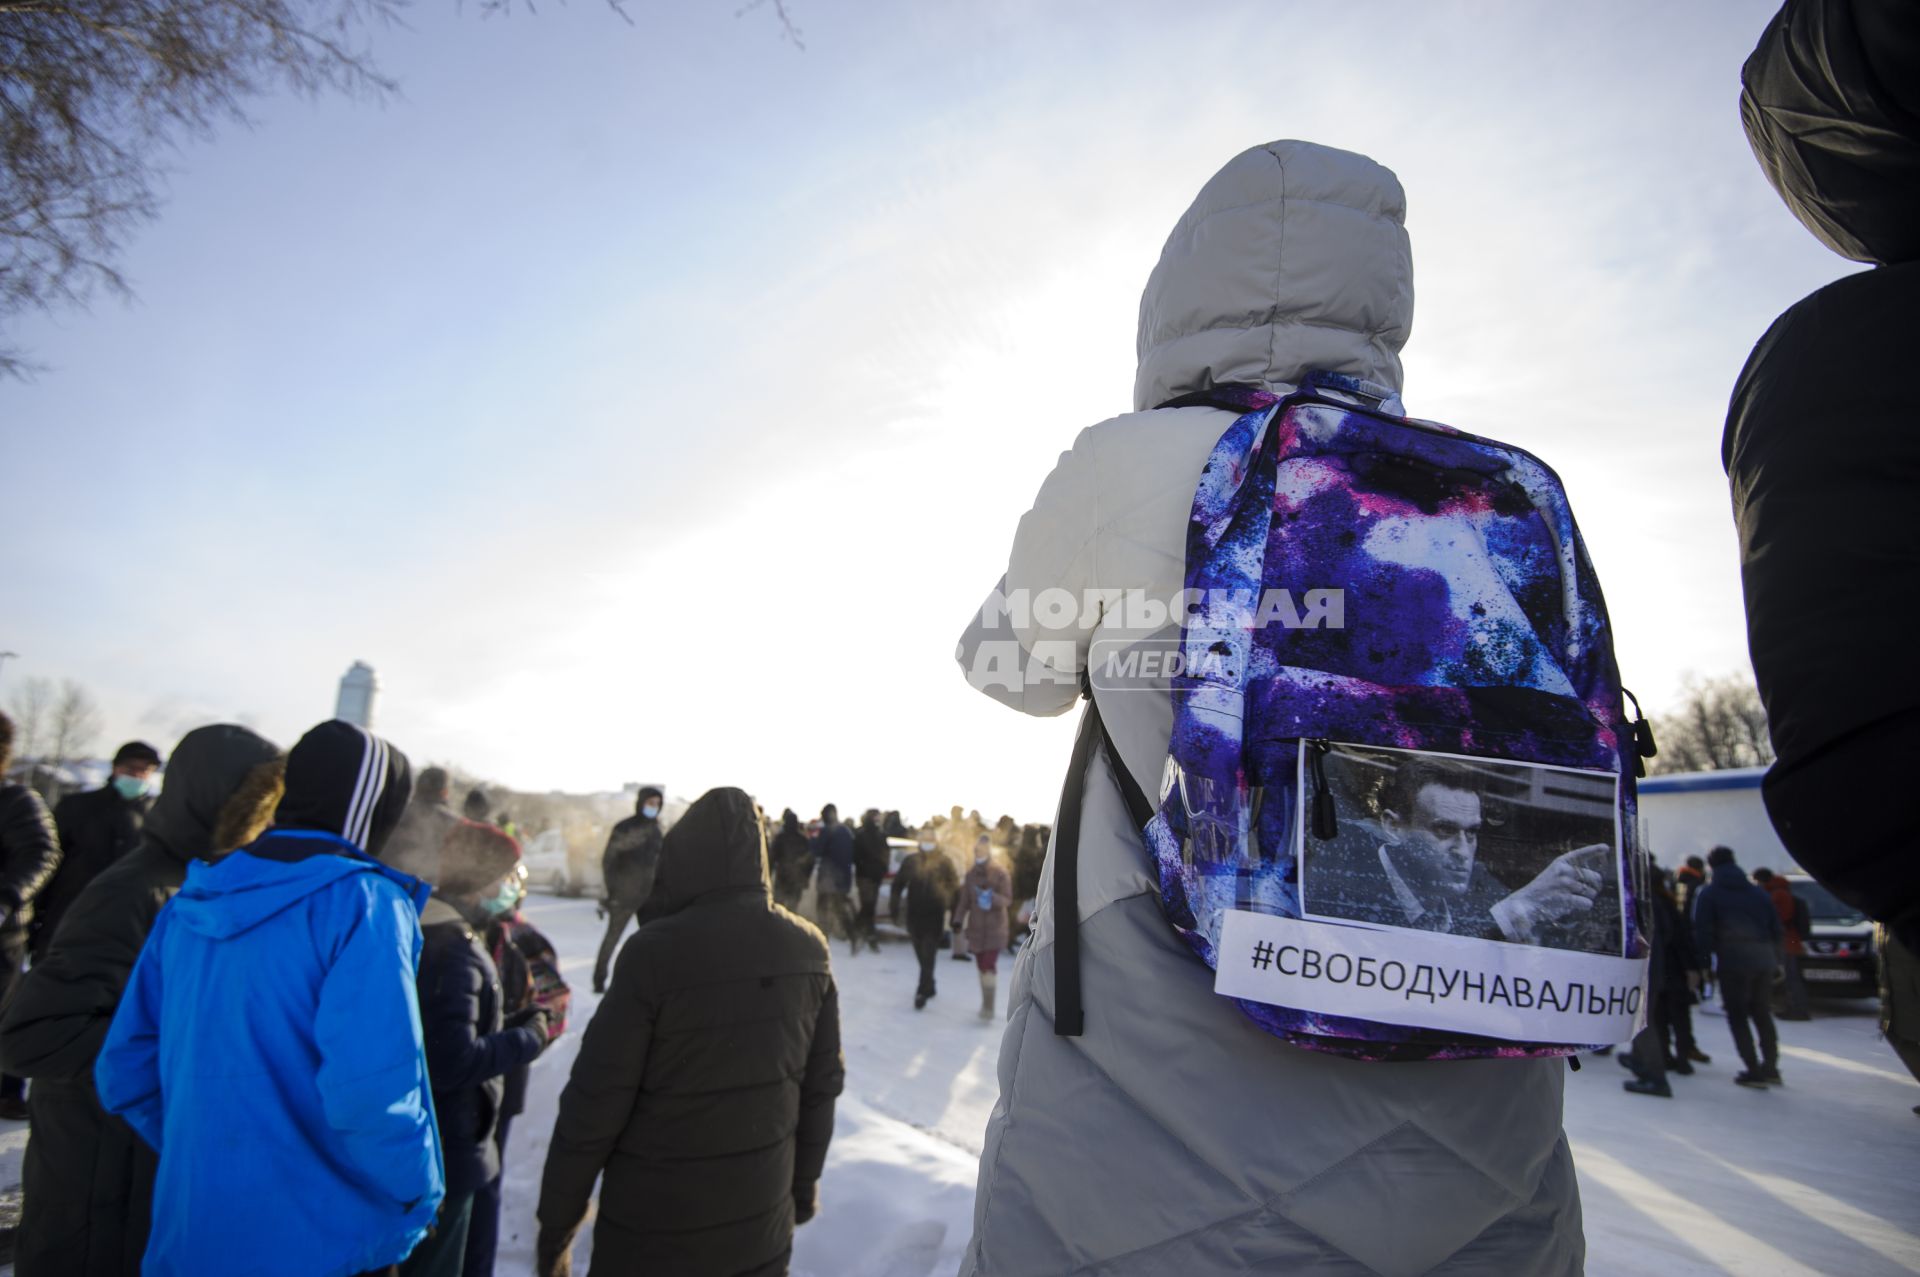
1174	1136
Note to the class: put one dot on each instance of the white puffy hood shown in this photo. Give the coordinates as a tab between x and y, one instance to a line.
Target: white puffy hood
1293	258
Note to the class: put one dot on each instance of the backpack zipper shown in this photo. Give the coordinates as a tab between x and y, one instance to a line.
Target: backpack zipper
1326	824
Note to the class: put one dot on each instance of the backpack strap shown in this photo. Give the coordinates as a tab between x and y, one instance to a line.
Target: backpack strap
1069	1015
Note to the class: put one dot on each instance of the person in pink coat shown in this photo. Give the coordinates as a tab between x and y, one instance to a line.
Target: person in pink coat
981	911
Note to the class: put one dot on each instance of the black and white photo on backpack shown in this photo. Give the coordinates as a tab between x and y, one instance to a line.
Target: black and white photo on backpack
1447	892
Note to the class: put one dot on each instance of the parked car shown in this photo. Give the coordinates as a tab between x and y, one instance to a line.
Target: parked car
1840	959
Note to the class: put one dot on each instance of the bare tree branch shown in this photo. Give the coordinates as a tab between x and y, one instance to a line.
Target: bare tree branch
94	93
1719	724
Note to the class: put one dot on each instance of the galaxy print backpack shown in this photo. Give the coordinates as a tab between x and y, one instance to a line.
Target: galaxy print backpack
1397	813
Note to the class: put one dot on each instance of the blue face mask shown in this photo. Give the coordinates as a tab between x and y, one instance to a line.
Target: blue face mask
650	811
502	902
131	787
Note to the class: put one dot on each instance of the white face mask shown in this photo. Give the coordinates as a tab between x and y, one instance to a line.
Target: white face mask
926	846
650	810
980	859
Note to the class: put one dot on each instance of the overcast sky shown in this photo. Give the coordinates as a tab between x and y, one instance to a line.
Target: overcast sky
655	401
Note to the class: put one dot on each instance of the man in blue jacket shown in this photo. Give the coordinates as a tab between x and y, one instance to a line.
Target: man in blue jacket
1735	921
270	1040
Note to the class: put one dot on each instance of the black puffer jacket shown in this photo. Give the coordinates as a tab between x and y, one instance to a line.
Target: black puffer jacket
29	853
1822	442
705	1084
96	828
468	1053
88	1179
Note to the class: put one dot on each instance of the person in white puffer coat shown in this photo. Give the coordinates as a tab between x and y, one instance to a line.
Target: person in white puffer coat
1174	1136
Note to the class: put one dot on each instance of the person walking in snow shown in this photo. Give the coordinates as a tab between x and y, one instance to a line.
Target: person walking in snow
1734	920
872	858
471	1044
927	884
269	1042
833	877
88	1179
628	866
702	1097
1293	259
791	860
1793	923
981	912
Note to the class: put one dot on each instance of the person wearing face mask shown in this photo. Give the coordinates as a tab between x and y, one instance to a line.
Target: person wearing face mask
473	1044
97	827
926	883
269	1039
628	865
981	912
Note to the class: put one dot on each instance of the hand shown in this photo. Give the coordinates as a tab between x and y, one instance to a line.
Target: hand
1567	886
553	1254
806	1202
6	914
536	1016
1693	981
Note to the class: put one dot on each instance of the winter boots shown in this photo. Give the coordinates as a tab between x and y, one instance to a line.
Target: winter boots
988	982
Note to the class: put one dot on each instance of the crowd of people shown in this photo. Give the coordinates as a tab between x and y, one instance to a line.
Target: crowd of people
1714	926
306	983
304	973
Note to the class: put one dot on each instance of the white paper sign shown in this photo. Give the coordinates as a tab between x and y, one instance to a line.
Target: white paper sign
1430	980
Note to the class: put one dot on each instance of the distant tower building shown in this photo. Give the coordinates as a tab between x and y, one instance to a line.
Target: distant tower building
359	687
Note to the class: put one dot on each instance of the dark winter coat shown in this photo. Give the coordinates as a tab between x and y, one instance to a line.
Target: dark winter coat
631	859
88	1179
833	853
792	858
96	828
468	1053
1821	447
1734	920
705	1084
928	881
29	854
872	855
1670	945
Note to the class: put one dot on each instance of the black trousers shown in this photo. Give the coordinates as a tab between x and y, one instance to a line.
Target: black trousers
869	900
619	914
13	965
926	948
1748	998
1673	1017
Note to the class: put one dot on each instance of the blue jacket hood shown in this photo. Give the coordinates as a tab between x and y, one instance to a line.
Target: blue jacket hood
282	868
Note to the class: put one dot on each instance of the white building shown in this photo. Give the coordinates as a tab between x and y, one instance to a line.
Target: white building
359	688
1691	813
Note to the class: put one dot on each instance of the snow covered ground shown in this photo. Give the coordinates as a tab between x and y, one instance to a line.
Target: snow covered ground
1816	1177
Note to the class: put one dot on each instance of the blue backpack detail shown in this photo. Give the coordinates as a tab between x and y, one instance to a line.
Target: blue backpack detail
1397	816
